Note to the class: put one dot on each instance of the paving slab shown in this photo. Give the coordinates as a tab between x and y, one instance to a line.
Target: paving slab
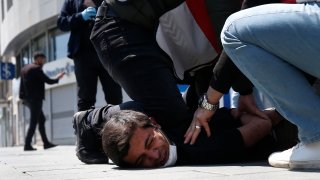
60	163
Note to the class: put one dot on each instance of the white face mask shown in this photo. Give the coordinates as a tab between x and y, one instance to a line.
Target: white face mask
172	156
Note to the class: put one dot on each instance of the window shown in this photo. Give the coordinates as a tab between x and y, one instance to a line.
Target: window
58	44
53	43
18	65
39	44
9	4
25	56
2	9
2	90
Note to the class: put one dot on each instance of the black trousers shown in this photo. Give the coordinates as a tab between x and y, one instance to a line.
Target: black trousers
88	69
132	57
36	117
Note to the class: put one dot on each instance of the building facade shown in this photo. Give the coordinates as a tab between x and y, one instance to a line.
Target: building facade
25	27
28	26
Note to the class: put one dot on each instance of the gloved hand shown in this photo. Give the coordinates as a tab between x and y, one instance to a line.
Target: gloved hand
89	13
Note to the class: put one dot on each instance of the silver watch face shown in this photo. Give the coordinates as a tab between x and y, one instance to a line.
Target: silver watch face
207	106
203	103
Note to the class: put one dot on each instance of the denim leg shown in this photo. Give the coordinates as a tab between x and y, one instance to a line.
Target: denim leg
271	45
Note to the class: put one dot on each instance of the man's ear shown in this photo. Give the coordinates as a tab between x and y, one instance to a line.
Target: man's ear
154	122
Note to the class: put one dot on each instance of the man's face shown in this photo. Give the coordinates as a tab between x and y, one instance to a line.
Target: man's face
40	61
149	148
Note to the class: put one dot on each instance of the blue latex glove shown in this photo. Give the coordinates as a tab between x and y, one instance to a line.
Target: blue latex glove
89	13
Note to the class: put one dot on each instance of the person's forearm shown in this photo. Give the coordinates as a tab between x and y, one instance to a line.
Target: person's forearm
227	75
213	96
223	74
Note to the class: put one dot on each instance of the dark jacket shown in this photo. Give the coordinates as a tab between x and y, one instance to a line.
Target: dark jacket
226	74
32	82
223	146
70	19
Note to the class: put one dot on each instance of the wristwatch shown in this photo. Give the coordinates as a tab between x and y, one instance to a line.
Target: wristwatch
203	103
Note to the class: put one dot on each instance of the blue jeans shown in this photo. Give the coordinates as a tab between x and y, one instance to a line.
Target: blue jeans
271	45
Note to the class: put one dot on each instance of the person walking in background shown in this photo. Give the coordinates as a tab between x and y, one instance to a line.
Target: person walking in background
32	93
78	16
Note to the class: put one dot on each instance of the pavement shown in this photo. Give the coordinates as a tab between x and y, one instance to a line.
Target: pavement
61	163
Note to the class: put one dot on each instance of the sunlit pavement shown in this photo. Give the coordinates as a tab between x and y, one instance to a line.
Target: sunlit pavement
61	163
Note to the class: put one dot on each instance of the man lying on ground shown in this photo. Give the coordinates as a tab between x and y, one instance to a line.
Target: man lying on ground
133	139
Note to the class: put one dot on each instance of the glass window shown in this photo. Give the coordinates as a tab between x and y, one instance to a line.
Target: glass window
2	9
18	65
39	44
2	90
58	44
9	4
25	56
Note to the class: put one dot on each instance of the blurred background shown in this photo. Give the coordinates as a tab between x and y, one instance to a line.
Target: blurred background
25	27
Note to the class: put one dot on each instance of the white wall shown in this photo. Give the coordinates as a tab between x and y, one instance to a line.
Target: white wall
23	14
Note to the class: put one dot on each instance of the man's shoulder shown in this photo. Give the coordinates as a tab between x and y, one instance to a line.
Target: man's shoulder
31	68
142	12
35	66
32	65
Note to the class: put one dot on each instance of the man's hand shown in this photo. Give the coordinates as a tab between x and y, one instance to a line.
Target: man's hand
200	120
247	104
89	13
60	75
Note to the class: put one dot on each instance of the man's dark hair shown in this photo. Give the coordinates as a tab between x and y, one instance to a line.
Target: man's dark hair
117	132
37	55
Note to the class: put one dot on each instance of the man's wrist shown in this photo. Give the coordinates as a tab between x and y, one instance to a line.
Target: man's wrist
213	95
205	104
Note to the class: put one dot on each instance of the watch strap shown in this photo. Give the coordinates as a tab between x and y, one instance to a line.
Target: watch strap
204	103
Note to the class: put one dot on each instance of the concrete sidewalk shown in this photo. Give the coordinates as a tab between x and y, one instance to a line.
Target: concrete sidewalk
61	163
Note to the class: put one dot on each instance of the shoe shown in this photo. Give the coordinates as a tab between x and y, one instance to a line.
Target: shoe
301	156
88	142
29	148
49	145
